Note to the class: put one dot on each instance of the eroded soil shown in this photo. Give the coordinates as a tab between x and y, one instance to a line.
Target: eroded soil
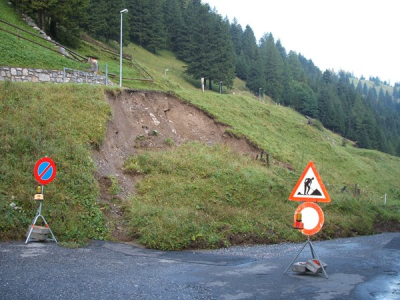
143	121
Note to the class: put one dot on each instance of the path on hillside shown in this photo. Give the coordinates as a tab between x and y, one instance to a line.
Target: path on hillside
358	268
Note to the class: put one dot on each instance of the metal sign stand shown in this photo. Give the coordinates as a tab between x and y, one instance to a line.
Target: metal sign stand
313	253
37	216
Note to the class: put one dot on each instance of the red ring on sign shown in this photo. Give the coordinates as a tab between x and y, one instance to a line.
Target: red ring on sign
320	213
43	178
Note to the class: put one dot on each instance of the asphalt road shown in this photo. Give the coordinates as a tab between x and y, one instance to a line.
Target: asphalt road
358	268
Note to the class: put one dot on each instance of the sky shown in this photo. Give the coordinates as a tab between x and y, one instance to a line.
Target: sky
357	36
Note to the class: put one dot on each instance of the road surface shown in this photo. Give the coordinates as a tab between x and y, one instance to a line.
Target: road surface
358	268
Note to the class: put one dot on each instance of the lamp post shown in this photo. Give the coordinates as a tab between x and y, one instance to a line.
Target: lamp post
120	56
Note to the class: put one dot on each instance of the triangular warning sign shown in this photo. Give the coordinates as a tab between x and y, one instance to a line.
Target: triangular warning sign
310	187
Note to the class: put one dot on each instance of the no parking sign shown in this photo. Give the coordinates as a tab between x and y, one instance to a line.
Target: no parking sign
45	170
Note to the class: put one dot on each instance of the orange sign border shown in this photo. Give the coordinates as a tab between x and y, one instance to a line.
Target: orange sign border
309	199
320	215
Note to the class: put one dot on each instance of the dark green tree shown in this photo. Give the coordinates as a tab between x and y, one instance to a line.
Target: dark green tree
62	20
212	54
156	34
326	110
296	71
104	20
190	11
256	79
146	24
237	36
222	53
365	89
359	87
273	67
398	147
248	53
281	49
304	99
173	22
250	48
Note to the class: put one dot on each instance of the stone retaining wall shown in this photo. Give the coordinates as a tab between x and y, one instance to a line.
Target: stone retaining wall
53	76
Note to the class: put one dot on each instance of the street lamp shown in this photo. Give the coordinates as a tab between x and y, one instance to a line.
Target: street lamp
120	56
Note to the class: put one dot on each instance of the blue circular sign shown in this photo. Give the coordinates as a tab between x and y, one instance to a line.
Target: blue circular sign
45	170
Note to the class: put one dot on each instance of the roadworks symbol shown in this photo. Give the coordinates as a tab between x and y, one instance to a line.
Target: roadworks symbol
310	187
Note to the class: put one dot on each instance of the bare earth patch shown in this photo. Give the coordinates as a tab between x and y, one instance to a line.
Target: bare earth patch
144	121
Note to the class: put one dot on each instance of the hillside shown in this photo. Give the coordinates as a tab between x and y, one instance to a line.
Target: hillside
170	167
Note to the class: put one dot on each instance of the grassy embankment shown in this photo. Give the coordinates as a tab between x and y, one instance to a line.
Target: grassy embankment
192	196
62	122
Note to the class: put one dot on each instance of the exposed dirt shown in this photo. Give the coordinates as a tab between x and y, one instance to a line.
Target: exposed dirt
386	226
144	121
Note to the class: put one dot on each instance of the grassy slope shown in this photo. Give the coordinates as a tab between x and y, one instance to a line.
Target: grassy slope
20	53
62	122
194	196
371	84
230	211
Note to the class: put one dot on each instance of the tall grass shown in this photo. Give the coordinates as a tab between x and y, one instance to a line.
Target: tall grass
189	196
63	122
199	196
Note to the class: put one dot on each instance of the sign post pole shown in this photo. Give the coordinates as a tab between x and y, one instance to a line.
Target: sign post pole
44	171
309	217
37	216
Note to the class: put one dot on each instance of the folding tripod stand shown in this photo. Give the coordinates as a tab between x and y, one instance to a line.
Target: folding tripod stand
313	253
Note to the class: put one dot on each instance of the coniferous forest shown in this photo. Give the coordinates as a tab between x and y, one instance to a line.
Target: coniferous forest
218	50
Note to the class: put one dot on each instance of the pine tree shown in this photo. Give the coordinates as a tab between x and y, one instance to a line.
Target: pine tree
281	49
156	34
372	96
398	147
237	36
359	87
105	20
211	49
325	105
381	95
199	47
222	53
243	65
273	67
62	20
96	24
139	12
256	79
365	89
295	69
250	48
248	54
190	19
304	99
146	23
173	22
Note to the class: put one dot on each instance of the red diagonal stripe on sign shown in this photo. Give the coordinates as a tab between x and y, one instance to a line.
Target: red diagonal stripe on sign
45	170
